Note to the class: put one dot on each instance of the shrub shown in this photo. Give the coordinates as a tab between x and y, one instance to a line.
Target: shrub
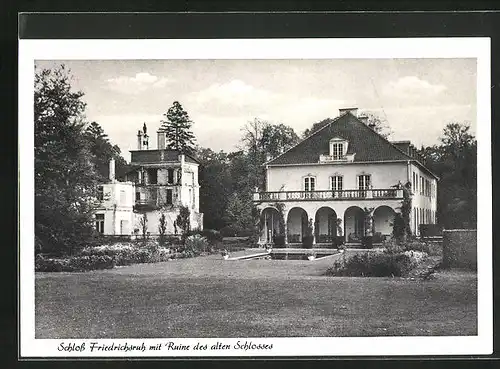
124	254
376	264
195	245
213	236
93	262
43	264
74	264
391	246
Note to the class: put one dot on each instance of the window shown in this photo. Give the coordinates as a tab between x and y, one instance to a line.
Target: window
413	182
337	151
364	182
123	197
100	193
99	223
309	184
137	196
153	176
169	196
170	175
337	183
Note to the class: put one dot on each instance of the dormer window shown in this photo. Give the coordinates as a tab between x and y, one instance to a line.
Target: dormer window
338	148
337	151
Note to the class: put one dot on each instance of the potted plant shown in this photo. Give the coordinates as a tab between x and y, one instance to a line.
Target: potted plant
307	240
311	255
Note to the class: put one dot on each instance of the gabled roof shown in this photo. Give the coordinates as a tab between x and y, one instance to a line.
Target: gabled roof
367	144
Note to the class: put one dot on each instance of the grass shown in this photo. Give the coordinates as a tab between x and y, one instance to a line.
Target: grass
211	297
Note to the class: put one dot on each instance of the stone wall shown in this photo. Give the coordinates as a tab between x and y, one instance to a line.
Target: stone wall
460	248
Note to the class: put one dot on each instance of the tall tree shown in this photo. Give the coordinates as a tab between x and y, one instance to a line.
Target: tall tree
177	127
65	181
454	160
103	151
215	186
278	138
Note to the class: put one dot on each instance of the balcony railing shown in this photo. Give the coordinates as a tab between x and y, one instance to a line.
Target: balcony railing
391	193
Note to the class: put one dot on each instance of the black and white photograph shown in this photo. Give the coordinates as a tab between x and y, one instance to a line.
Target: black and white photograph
307	200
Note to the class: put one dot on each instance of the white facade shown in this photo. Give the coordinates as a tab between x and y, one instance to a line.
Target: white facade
161	181
115	215
336	192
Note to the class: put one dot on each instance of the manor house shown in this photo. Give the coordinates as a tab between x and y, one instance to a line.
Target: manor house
336	177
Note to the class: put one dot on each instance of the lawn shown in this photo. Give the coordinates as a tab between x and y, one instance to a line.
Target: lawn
210	297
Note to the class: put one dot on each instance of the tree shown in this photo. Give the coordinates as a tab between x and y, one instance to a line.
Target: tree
177	128
454	161
65	180
103	151
215	186
239	212
378	124
315	127
162	229
143	222
278	138
182	221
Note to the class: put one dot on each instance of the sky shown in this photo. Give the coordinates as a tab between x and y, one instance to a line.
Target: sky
417	97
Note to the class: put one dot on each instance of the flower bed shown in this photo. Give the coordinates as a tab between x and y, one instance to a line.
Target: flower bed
119	254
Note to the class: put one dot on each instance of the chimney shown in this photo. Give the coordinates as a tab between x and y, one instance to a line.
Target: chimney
161	139
139	140
353	111
112	170
145	138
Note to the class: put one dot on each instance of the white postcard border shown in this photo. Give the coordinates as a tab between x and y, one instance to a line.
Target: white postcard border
473	47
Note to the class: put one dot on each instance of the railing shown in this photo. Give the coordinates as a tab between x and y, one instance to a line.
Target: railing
391	193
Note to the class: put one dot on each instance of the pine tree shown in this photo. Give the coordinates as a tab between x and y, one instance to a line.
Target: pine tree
102	150
177	128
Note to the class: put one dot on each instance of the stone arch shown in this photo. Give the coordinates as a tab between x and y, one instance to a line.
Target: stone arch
296	222
383	218
325	224
269	220
354	224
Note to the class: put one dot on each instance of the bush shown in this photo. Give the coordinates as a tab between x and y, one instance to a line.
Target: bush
213	236
126	254
43	264
234	231
74	264
93	262
377	264
195	245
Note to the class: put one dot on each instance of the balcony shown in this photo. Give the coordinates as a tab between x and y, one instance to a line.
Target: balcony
342	195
